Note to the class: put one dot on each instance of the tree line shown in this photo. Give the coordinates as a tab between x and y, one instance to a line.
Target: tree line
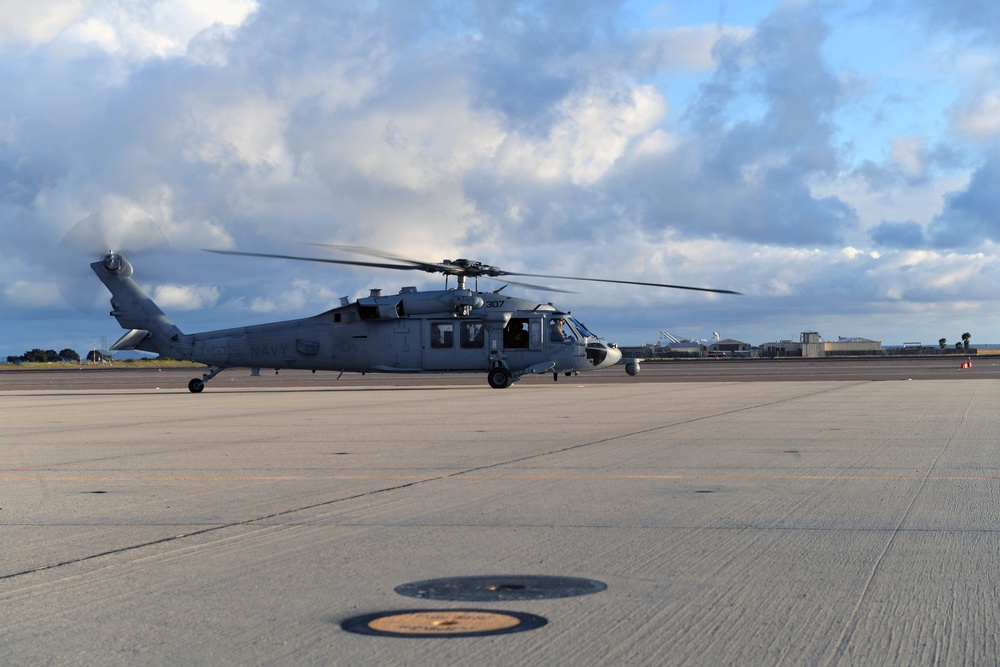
961	345
40	356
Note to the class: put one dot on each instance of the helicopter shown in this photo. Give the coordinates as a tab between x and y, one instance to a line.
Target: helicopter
454	330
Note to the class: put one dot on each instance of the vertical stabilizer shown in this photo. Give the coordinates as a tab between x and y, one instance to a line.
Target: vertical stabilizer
150	329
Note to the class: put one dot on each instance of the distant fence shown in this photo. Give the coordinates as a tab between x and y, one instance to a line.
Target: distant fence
928	351
645	352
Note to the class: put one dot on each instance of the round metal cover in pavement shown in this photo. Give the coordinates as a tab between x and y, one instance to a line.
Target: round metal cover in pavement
500	587
442	623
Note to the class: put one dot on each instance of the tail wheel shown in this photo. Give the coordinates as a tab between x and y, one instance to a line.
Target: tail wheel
196	386
499	378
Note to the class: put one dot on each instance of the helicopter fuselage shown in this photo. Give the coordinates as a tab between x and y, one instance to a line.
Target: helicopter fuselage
455	330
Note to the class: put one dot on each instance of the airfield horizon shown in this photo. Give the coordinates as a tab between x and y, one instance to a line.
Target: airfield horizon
172	374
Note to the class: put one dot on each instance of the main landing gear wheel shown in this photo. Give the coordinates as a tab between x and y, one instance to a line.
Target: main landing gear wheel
499	378
196	386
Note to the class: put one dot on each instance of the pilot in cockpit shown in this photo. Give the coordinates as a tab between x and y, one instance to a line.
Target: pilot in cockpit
557	332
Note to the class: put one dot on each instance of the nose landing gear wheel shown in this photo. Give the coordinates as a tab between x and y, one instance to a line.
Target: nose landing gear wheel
196	386
499	378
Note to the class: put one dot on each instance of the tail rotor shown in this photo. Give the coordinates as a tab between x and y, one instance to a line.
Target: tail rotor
90	239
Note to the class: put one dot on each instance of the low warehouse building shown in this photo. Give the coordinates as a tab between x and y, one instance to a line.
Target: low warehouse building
811	345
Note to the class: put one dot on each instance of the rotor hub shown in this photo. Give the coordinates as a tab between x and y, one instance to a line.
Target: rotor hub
471	268
112	262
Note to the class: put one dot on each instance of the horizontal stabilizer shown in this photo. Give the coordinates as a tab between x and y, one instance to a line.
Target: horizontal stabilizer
130	340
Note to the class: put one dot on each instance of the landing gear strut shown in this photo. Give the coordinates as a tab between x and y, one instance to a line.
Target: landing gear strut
197	385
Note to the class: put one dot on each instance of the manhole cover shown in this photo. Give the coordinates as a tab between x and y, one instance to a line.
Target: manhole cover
442	623
496	588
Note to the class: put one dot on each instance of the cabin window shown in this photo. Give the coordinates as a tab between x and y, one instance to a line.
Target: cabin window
442	334
515	334
473	336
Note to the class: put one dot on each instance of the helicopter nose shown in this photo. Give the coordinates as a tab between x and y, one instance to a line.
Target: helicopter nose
602	355
614	356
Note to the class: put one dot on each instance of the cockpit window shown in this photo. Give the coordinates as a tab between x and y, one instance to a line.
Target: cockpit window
578	325
560	331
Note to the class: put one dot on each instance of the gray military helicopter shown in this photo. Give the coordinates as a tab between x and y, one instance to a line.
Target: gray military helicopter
451	330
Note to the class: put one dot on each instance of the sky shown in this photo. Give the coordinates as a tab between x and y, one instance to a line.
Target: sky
835	161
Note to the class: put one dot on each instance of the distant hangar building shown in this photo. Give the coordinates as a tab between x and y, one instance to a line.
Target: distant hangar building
730	347
811	345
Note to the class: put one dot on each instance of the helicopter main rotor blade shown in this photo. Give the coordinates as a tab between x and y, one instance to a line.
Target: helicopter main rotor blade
494	272
430	267
460	267
623	282
414	265
544	288
378	265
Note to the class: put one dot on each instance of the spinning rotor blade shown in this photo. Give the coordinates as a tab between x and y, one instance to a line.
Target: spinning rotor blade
544	288
624	282
99	232
412	265
378	265
87	240
429	267
456	267
476	269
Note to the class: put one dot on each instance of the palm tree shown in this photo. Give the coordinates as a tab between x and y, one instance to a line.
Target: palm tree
965	339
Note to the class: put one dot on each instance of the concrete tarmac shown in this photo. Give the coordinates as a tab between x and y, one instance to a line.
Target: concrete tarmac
835	522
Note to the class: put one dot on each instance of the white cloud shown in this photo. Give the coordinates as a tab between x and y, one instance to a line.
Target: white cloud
933	276
687	47
595	127
32	294
154	29
978	117
134	30
910	154
918	201
249	131
34	22
303	294
183	297
262	305
544	138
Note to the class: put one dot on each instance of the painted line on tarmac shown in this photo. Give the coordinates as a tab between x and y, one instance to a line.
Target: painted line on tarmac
301	478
